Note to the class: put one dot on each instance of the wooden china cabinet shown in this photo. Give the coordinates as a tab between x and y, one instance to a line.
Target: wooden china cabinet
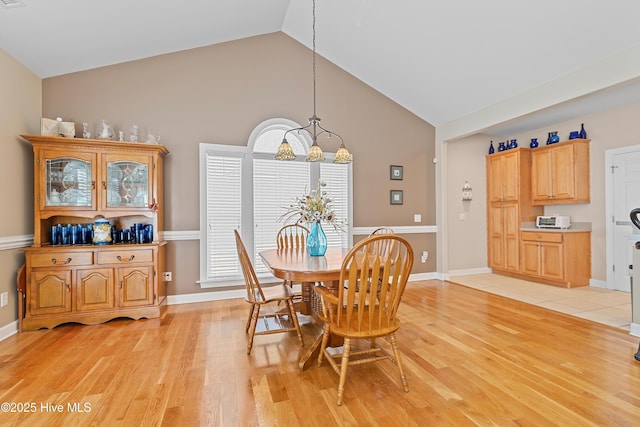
77	181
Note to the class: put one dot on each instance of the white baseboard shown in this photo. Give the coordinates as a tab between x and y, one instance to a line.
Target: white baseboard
634	329
466	272
205	296
424	276
598	283
9	329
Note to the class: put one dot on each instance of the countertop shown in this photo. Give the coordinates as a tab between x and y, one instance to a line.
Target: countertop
576	227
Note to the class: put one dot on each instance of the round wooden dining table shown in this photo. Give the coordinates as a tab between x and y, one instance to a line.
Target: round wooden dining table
296	265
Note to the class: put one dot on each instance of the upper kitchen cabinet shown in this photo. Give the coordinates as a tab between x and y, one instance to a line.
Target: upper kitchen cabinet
560	173
504	176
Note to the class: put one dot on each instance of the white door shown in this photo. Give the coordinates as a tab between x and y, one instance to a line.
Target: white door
626	196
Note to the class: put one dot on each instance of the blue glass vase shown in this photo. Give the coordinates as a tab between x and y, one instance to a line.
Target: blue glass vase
317	240
582	133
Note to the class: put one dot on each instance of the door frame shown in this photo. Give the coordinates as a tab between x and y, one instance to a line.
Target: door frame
608	185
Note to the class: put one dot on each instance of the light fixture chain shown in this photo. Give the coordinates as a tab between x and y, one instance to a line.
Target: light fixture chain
313	41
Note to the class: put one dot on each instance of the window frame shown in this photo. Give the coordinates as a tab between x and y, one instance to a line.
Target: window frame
247	201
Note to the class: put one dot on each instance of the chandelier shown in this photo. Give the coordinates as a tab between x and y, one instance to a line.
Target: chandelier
285	152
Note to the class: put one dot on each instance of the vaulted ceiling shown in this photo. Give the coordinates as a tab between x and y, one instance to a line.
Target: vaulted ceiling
440	59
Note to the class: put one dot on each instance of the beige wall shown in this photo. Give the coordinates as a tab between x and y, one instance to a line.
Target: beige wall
218	94
20	106
610	129
467	232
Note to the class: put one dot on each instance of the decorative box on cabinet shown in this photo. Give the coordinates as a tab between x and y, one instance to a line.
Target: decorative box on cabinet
508	205
557	258
76	181
560	173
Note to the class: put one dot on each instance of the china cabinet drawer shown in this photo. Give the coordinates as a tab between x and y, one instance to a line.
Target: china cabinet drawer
125	256
62	259
542	237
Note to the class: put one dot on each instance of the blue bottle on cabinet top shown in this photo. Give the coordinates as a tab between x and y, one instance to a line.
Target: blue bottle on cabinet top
491	149
501	146
583	133
534	143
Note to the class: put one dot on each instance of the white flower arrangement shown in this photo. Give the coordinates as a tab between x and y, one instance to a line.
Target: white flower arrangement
314	207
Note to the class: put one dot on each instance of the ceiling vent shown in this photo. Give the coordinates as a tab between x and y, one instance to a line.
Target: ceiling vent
8	4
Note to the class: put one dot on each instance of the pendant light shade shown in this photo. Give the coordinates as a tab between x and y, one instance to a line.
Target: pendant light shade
315	153
285	152
342	155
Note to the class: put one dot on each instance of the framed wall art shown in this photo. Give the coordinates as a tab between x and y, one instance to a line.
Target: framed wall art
396	197
396	172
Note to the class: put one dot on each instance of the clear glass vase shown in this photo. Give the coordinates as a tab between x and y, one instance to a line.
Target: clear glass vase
317	240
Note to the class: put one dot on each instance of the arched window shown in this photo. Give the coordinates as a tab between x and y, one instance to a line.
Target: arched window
245	188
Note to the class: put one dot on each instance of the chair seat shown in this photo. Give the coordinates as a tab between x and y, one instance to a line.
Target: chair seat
351	329
279	292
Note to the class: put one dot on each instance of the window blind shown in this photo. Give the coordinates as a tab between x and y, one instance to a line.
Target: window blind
336	177
224	214
275	186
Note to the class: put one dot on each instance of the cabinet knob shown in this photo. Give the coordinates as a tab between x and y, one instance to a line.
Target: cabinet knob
68	287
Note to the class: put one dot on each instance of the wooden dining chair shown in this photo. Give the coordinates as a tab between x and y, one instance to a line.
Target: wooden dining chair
356	315
381	231
272	322
292	236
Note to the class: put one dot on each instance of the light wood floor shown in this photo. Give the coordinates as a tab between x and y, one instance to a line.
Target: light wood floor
471	358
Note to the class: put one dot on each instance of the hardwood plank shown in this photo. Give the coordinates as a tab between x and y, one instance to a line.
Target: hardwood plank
471	358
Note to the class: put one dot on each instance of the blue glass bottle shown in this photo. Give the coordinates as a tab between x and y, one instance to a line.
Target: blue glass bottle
501	146
583	133
534	143
491	149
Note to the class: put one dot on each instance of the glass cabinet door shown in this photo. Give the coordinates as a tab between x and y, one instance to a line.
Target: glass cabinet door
128	183
68	182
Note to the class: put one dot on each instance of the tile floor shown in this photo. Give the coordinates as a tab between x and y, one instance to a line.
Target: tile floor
600	305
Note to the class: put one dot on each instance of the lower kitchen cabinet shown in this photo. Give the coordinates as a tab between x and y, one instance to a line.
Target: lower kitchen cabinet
92	284
557	258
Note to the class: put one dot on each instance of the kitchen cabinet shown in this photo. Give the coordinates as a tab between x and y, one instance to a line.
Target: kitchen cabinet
557	258
508	205
77	181
560	173
504	176
504	236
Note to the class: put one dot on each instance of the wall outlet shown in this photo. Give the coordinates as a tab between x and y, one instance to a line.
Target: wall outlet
4	299
166	276
425	256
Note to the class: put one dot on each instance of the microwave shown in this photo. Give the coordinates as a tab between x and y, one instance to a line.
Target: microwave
553	221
